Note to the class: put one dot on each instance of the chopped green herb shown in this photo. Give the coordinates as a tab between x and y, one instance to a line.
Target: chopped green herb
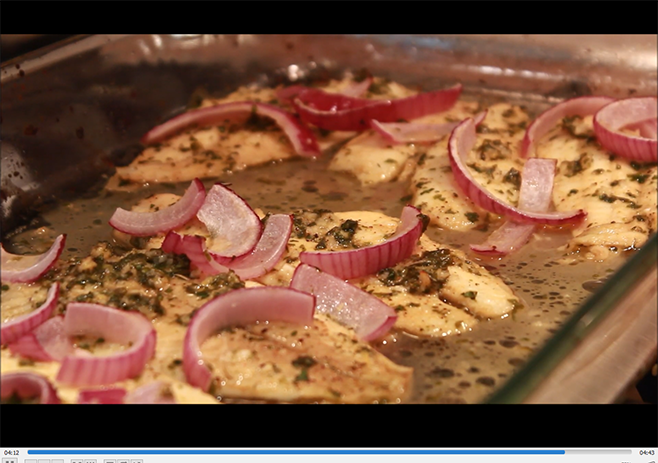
488	171
304	362
639	178
472	216
513	176
302	376
571	168
425	274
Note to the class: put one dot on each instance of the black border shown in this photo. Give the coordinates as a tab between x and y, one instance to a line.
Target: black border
253	426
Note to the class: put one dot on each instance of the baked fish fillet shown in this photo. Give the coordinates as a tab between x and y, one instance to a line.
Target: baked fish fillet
233	145
322	362
494	162
619	195
436	292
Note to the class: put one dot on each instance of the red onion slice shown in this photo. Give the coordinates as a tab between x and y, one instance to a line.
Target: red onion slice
581	106
262	259
113	325
15	328
194	247
27	269
368	316
369	260
268	251
231	223
152	223
410	132
328	101
618	114
46	343
151	393
461	141
286	94
648	128
302	139
26	386
357	89
240	306
345	113
535	195
110	396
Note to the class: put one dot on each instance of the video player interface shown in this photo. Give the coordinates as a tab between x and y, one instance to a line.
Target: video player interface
351	455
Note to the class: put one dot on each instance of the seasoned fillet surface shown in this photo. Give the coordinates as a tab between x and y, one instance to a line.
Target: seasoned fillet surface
436	292
323	362
232	145
463	292
494	163
619	195
372	159
320	363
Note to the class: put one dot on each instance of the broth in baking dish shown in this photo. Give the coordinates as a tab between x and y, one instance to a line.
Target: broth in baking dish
464	363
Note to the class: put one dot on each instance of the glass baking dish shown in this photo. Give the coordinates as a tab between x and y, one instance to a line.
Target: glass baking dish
73	111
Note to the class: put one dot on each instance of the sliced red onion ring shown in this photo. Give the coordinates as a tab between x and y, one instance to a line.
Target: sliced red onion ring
302	139
581	106
268	251
368	316
286	94
231	222
535	195
110	396
27	386
369	260
46	343
357	89
152	223
461	141
618	114
194	247
17	327
113	325
328	101
345	113
410	132
240	306
26	269
262	259
156	392
648	128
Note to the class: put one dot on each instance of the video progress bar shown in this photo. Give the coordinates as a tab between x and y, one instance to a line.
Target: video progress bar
296	452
